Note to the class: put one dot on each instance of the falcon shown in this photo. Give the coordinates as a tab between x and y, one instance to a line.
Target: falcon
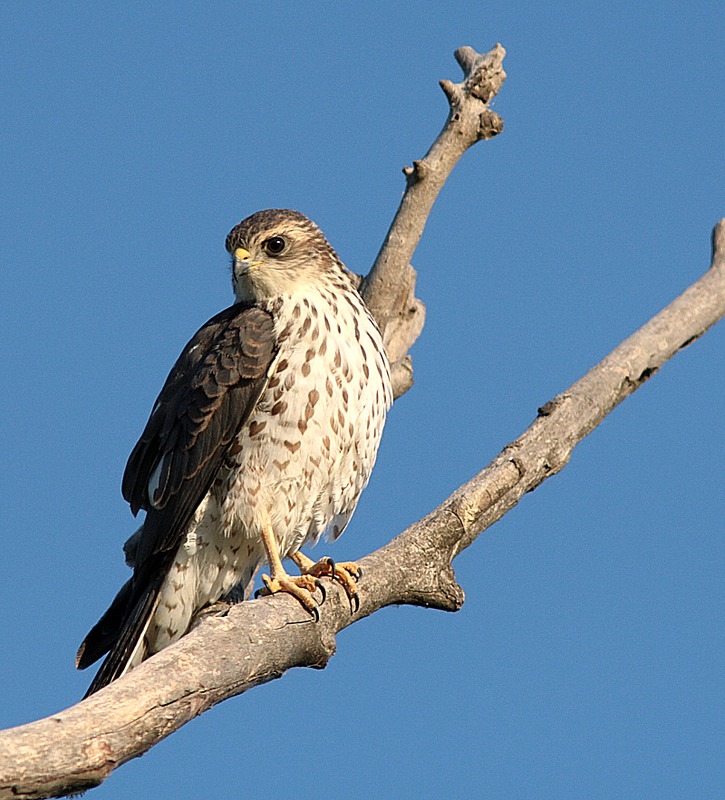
261	440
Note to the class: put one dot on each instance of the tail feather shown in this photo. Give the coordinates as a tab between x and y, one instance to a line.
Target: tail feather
119	659
121	630
103	634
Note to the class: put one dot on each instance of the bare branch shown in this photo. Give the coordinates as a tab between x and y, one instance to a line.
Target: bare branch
258	641
389	289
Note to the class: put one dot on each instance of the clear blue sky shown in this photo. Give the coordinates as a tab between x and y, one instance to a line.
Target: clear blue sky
587	660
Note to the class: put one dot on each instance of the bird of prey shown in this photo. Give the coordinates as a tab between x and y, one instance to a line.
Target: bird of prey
261	440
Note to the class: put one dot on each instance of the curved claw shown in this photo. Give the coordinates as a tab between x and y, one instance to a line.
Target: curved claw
297	588
354	603
359	575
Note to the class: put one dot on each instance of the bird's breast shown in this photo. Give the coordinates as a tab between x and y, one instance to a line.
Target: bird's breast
307	450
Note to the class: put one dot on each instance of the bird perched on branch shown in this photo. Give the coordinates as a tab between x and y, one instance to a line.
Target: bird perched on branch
262	439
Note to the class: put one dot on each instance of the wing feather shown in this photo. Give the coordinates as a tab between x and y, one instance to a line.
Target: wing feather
208	396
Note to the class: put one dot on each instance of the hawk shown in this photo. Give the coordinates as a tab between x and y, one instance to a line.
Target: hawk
261	440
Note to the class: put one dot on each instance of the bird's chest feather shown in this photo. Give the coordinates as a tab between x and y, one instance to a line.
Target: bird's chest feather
307	450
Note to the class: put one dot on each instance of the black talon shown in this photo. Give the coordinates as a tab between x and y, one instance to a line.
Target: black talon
359	575
263	591
331	565
323	591
354	603
315	613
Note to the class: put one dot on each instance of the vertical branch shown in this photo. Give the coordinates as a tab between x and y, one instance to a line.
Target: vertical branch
389	287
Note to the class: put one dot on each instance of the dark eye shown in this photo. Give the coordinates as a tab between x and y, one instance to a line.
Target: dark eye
275	245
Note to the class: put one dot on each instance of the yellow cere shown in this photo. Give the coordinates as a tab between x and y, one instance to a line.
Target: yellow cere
241	254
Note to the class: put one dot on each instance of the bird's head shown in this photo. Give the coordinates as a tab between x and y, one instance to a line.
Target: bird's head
278	252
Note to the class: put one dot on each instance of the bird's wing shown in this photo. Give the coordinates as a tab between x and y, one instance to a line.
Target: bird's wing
208	396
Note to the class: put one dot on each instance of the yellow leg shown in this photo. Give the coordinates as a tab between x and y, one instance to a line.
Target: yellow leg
346	573
301	586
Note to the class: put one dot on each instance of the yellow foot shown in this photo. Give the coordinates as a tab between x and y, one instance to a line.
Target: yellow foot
346	573
301	586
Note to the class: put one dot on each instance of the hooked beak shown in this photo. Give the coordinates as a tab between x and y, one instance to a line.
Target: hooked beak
242	263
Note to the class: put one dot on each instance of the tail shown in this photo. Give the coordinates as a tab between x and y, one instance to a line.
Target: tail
120	632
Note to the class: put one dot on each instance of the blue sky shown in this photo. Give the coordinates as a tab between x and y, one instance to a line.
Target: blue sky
587	660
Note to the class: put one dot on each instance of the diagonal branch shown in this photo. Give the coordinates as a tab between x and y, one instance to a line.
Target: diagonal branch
258	641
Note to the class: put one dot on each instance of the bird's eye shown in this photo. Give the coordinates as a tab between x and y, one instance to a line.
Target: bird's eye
275	245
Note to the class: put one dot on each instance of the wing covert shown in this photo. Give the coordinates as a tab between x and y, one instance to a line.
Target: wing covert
209	394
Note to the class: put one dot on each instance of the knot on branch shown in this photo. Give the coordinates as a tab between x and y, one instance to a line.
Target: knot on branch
453	91
452	597
401	376
489	124
483	76
484	72
443	593
406	316
416	173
